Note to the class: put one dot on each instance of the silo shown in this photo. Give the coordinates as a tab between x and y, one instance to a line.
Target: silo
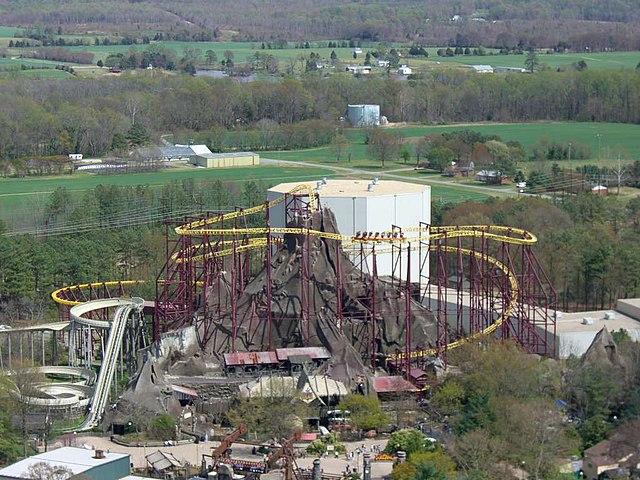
364	115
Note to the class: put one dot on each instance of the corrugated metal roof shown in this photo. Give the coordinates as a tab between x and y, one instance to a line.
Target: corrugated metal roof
416	373
314	353
226	155
184	390
177	151
392	384
161	461
250	358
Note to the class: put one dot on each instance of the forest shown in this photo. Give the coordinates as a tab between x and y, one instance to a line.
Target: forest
539	23
94	115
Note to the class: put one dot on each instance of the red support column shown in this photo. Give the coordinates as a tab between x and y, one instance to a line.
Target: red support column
269	314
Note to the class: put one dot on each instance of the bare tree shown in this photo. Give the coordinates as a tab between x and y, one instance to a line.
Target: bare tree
620	171
45	471
383	146
22	388
339	145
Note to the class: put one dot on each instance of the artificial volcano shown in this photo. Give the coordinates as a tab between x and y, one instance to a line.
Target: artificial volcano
302	273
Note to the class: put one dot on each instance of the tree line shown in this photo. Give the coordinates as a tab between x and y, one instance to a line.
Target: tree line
83	115
537	23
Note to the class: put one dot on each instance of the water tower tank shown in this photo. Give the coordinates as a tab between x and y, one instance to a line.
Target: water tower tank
364	115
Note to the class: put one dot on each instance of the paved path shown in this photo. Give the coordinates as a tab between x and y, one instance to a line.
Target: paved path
192	453
389	174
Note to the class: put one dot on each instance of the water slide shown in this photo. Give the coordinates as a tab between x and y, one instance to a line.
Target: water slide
124	308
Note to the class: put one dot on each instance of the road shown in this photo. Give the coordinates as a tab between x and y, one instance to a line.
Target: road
192	453
390	174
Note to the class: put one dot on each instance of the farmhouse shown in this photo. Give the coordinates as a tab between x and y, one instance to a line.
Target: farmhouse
358	69
492	176
404	70
458	172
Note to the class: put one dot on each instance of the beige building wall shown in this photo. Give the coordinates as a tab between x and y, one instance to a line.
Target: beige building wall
221	161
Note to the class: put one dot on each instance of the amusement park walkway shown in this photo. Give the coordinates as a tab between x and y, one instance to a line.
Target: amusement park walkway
192	453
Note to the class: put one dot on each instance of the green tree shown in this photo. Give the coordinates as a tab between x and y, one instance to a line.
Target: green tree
211	57
405	153
531	62
503	161
440	158
478	413
276	416
162	427
408	440
448	398
137	135
365	412
119	142
428	471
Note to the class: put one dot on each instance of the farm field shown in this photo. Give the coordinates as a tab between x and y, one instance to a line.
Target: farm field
595	61
20	197
244	51
613	135
613	138
79	182
21	194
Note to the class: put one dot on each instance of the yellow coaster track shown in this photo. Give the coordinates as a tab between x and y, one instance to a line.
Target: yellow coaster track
255	238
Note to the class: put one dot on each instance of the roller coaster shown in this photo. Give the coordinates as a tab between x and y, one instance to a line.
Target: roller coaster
92	391
481	279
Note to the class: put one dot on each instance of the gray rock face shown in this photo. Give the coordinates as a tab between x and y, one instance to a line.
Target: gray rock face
347	342
603	351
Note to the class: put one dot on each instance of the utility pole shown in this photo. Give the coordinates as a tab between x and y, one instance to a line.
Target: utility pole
620	172
570	172
599	135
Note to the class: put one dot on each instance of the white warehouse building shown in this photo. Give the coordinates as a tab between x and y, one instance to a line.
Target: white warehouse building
576	330
371	206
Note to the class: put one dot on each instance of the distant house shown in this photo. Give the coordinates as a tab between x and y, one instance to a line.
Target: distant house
357	50
382	63
404	70
600	190
482	68
75	156
358	69
458	172
492	176
616	456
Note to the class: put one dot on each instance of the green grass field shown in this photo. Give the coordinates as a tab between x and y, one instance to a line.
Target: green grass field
17	194
244	51
613	135
7	32
595	61
82	181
